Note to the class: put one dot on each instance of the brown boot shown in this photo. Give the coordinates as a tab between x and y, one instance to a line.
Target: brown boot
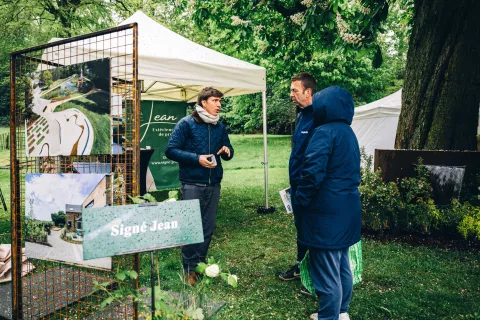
191	278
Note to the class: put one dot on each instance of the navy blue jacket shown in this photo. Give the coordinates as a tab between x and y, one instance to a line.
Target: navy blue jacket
301	136
192	138
327	194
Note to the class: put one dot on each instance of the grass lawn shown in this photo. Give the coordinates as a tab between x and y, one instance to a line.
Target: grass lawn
400	281
96	108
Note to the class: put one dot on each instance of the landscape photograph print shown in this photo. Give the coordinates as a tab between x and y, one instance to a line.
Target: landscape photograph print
67	110
53	227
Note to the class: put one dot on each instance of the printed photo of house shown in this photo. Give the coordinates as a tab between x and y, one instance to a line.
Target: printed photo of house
99	197
53	214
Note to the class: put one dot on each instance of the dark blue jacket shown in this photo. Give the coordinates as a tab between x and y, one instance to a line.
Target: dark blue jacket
192	138
327	195
301	136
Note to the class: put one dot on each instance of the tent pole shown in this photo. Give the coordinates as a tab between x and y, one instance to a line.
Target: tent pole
265	153
266	209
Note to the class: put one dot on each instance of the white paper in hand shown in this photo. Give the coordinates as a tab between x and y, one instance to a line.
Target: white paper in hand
287	202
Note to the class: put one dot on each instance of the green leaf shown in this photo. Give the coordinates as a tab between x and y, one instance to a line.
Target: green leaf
232	281
132	274
137	200
211	260
362	53
173	194
118	293
335	5
149	197
207	280
201	268
121	275
106	302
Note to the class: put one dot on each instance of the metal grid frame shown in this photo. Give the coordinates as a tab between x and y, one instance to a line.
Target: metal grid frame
38	294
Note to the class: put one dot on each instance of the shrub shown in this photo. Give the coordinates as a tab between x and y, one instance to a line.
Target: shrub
469	215
36	230
408	205
58	218
418	211
380	201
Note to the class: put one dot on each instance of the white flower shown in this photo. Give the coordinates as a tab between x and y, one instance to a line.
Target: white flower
236	20
297	18
235	277
307	3
212	271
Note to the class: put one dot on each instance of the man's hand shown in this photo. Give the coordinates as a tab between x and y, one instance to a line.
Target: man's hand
225	150
203	160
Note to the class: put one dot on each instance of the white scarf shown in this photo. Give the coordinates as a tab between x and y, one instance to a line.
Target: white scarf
207	117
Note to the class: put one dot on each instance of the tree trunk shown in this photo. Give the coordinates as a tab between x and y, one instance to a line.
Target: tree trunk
441	94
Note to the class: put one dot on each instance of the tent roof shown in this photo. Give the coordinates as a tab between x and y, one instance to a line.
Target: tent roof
388	106
375	124
172	67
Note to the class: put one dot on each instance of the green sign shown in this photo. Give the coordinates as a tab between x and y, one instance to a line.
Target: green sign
110	231
158	118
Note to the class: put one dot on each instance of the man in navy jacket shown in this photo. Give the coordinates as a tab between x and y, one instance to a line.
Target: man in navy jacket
328	201
302	88
198	143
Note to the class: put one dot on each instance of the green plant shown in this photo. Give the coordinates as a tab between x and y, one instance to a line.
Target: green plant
381	201
172	195
408	205
168	305
58	218
36	231
213	269
470	220
419	212
124	293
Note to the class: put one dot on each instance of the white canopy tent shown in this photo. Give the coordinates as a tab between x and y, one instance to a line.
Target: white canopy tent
173	68
375	124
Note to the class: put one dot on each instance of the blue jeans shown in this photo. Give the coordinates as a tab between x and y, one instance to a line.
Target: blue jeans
333	282
209	196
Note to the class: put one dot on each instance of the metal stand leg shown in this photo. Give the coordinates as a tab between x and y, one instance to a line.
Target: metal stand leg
152	281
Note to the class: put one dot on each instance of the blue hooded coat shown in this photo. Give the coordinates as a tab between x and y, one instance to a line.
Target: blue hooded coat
327	196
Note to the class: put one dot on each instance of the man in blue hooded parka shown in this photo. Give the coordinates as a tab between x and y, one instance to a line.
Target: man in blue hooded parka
328	201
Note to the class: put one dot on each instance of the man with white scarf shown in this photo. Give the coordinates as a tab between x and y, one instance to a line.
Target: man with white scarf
198	143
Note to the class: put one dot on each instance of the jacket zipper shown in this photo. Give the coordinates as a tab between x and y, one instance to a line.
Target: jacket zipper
210	170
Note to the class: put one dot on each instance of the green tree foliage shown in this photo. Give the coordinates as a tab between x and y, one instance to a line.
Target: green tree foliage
340	42
46	78
59	218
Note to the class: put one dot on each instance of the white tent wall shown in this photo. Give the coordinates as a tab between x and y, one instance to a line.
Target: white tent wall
375	124
171	67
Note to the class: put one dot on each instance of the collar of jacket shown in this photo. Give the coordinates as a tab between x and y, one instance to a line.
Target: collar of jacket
307	109
196	117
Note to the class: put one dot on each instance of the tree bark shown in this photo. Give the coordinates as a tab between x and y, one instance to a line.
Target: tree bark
441	94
